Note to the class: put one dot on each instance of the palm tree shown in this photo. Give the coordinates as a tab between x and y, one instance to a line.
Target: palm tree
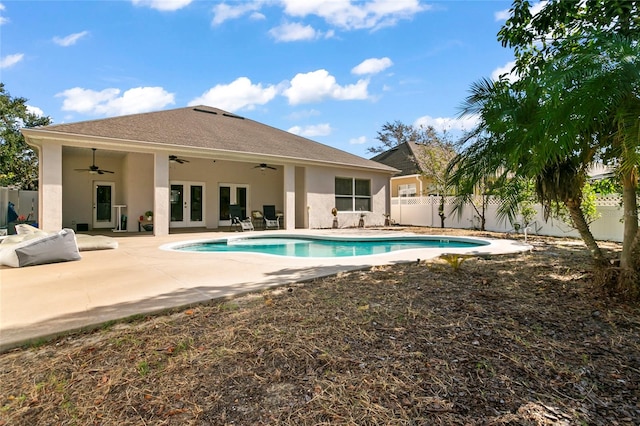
513	141
600	86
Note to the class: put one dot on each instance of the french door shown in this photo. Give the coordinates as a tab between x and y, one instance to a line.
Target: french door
232	193
186	201
104	194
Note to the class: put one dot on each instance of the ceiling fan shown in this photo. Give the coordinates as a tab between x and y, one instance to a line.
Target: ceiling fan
176	159
93	169
263	166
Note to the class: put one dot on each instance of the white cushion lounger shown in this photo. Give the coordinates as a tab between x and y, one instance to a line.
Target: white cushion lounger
25	248
39	250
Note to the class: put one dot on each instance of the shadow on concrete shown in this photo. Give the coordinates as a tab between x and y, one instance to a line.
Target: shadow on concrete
186	297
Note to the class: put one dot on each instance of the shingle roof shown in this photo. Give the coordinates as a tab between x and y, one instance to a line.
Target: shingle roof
401	157
211	129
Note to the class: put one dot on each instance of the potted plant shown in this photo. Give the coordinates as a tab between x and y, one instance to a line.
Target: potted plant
149	215
334	212
361	221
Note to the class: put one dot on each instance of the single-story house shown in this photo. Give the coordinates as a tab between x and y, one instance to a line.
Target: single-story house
410	180
188	165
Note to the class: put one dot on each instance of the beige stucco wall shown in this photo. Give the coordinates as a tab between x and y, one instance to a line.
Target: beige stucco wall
50	187
321	197
77	187
302	217
310	189
264	187
138	187
423	184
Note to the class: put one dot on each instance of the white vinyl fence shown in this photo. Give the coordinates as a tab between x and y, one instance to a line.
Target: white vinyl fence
25	204
423	211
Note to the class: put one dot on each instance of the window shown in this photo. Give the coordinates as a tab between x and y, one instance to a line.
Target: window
353	194
407	190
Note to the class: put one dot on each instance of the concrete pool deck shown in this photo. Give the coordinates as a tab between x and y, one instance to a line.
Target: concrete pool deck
139	278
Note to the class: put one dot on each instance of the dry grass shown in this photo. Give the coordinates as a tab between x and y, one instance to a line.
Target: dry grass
512	340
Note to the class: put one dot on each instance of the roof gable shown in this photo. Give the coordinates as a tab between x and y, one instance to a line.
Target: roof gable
401	157
207	128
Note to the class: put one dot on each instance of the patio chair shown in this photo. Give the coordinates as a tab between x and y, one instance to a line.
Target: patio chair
271	220
235	212
257	219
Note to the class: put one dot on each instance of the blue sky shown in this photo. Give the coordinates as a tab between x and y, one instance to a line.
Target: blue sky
331	70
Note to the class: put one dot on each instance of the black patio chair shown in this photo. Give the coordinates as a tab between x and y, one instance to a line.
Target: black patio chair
271	220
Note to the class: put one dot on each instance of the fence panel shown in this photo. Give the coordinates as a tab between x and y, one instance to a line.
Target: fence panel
423	211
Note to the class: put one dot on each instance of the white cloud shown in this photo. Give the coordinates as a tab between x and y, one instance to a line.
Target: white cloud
223	12
318	85
323	129
300	115
294	32
447	124
372	66
109	102
257	16
502	15
3	20
35	110
505	70
358	141
70	39
536	8
11	60
240	93
358	15
163	5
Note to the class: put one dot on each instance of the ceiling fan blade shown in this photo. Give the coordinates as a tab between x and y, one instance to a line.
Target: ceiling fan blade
93	169
176	159
263	166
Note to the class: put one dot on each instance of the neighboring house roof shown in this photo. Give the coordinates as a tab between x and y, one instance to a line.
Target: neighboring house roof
203	128
401	157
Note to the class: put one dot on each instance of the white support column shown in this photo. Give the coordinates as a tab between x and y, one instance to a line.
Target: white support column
50	187
289	197
161	195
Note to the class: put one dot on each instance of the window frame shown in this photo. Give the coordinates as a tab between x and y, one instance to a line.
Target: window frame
353	196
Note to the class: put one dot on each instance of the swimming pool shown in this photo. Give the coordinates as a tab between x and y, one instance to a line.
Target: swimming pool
314	246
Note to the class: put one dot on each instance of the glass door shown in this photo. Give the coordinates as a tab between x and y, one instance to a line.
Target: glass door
231	193
103	195
186	204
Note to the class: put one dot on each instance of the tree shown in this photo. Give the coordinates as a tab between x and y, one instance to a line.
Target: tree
578	65
394	134
509	142
512	141
433	154
18	162
602	85
517	199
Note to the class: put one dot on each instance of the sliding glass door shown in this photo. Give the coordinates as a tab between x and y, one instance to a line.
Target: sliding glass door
231	193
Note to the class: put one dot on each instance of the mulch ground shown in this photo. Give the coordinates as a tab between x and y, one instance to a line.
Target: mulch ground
507	340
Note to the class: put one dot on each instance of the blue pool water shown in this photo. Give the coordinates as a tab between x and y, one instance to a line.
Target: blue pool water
325	247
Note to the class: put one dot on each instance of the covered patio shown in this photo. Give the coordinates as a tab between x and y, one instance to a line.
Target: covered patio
187	166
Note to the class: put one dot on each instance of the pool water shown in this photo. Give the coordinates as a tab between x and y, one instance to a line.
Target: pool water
316	247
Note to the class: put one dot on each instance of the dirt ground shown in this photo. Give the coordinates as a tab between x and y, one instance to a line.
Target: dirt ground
508	340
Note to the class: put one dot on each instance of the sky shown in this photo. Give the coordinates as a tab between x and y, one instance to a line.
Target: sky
334	71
